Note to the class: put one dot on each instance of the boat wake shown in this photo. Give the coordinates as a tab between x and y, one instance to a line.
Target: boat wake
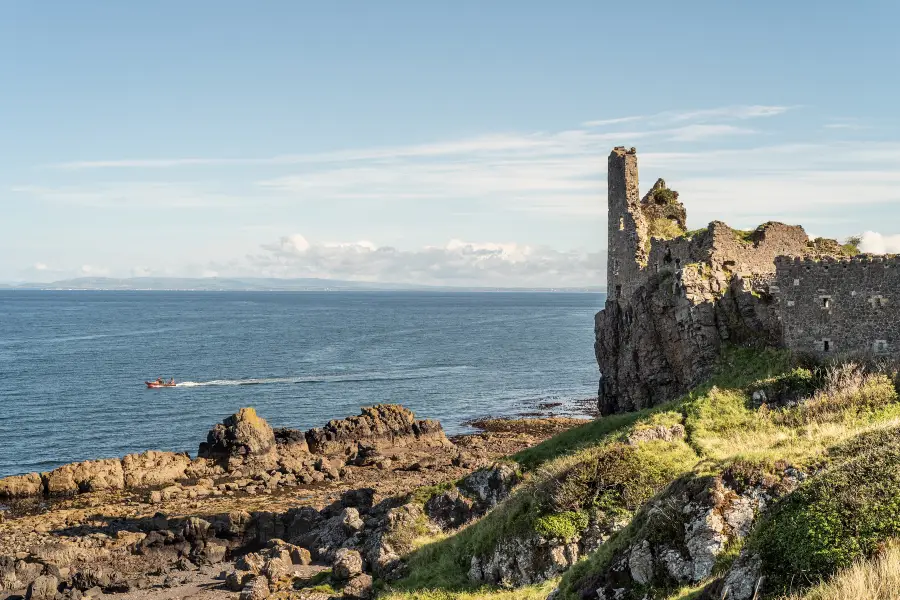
423	373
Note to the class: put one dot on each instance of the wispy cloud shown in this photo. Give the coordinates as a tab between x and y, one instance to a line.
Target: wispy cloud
487	144
729	113
133	194
558	173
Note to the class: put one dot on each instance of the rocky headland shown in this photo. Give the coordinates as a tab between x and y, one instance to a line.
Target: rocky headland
258	511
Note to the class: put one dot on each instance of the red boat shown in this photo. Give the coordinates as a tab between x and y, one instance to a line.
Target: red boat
159	383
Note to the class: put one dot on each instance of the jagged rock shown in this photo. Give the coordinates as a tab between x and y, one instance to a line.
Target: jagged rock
393	537
43	588
450	509
88	476
252	562
377	427
276	569
154	468
743	579
521	561
656	432
347	564
242	441
640	563
215	553
237	579
19	486
257	589
288	552
359	588
683	532
195	530
489	486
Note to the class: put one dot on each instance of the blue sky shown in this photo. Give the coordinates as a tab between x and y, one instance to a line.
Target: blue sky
437	142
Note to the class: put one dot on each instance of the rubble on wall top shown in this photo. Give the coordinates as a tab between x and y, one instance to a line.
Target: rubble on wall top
620	150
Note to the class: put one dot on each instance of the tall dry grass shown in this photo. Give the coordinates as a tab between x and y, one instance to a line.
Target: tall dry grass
874	579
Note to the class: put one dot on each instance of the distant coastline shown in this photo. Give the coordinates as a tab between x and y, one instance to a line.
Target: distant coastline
251	284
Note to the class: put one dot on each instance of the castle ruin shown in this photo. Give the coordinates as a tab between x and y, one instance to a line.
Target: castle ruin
676	297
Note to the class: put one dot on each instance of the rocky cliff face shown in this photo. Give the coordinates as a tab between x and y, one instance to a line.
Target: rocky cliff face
667	339
696	293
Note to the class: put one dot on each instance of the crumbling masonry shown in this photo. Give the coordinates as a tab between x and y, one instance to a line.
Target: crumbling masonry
676	297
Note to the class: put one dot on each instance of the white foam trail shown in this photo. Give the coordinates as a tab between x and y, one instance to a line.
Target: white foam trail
376	376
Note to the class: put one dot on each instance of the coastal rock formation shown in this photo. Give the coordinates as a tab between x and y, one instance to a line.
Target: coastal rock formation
380	426
245	450
678	537
153	468
243	440
19	486
522	561
88	476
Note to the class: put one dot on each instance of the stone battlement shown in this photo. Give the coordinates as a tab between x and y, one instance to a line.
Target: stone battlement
789	262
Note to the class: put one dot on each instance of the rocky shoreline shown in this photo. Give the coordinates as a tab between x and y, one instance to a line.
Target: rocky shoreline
258	512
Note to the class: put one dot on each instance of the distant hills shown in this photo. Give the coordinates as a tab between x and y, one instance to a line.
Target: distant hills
259	284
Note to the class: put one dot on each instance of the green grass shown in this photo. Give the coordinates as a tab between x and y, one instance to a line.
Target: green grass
837	517
577	438
663	228
591	472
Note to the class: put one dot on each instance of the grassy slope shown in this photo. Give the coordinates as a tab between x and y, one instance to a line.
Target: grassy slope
723	428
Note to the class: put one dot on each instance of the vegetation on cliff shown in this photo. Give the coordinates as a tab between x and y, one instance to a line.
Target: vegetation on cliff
823	439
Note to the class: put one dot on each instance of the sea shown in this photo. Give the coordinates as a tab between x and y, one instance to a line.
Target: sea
73	363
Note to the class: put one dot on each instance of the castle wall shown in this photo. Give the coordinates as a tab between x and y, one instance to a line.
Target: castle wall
840	307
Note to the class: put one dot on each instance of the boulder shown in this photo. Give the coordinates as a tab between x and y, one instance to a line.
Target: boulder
347	564
277	569
242	441
19	486
359	588
449	510
288	552
256	589
384	425
43	588
489	486
88	476
252	562
516	562
237	579
154	468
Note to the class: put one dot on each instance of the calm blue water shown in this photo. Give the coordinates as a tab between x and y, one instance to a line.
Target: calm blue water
72	364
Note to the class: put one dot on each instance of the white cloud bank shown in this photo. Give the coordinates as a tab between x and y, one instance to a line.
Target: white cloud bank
878	243
456	263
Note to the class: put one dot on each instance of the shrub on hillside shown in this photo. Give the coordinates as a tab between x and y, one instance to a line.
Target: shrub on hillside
839	516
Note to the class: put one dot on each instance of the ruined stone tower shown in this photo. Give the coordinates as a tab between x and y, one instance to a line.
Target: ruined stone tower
627	229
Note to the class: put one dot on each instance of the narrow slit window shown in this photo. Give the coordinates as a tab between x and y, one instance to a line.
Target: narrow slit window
826	346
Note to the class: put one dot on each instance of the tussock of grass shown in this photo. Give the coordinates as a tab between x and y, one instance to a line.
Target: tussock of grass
529	592
664	228
577	438
874	579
